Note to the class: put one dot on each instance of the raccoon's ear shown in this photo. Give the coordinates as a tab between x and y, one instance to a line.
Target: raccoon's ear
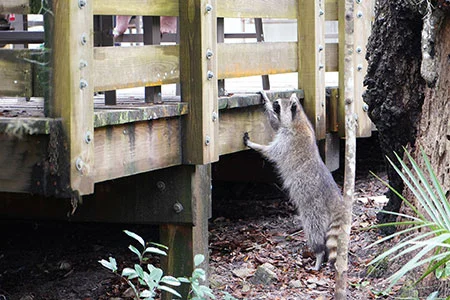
294	97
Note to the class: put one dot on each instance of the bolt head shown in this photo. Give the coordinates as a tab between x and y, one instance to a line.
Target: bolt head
359	14
209	54
214	116
83	39
178	207
161	185
207	140
79	164
208	8
210	75
359	67
82	3
88	137
365	107
83	84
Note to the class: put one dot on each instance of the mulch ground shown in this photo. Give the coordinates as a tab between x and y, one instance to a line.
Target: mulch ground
251	226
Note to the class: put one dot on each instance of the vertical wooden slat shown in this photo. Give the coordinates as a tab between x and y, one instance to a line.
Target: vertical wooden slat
221	39
72	98
260	38
152	36
363	18
198	35
311	61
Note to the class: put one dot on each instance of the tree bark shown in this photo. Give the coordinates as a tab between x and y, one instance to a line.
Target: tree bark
395	88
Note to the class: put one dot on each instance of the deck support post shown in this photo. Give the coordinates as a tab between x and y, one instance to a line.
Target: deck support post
311	61
198	77
187	240
73	89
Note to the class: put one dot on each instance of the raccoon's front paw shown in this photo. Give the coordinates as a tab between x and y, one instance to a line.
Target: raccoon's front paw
246	138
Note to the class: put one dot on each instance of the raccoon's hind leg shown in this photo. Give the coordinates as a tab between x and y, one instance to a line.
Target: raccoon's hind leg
319	260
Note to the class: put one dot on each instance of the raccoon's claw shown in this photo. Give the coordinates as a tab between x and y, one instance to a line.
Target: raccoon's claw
264	96
246	138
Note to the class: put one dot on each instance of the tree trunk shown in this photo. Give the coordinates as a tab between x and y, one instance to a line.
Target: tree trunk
434	129
395	88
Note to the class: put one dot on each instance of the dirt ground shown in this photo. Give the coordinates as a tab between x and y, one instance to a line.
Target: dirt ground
251	226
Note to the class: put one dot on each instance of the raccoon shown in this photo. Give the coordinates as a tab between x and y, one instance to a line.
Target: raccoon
305	177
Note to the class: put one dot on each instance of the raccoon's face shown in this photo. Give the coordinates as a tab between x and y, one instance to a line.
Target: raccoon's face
286	111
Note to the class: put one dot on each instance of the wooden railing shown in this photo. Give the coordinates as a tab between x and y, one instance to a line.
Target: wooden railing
77	69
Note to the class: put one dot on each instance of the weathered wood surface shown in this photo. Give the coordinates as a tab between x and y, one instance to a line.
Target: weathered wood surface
126	67
134	148
72	89
20	6
136	7
311	62
225	8
198	79
363	17
239	60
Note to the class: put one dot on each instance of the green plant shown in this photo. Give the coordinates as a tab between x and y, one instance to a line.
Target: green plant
152	279
431	246
145	283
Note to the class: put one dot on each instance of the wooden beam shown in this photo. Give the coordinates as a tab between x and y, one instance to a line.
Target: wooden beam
364	11
280	9
332	57
15	75
331	10
138	66
311	61
198	78
187	240
136	7
239	60
73	89
235	122
134	148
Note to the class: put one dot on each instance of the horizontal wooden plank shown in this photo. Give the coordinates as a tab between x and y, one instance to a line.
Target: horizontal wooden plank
121	115
20	6
126	67
136	7
134	148
15	75
245	100
25	126
277	9
235	122
332	57
21	37
240	60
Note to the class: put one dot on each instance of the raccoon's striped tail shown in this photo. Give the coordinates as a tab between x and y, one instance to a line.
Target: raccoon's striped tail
332	239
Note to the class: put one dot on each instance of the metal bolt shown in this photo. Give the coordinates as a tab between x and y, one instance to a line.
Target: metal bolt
365	107
207	140
321	12
88	137
83	84
209	53
321	66
83	64
208	8
178	207
161	185
358	49
358	1
79	164
320	48
83	39
318	118
214	116
359	14
348	101
82	3
359	67
210	75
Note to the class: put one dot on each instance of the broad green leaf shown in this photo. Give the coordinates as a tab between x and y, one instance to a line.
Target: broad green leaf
183	280
135	251
156	274
170	280
159	245
199	273
136	237
433	296
139	270
155	251
169	289
147	294
129	273
111	264
198	259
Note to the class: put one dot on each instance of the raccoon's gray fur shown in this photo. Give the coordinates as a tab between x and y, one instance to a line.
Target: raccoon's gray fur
305	177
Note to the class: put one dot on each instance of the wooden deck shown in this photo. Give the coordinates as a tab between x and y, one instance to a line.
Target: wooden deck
144	161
